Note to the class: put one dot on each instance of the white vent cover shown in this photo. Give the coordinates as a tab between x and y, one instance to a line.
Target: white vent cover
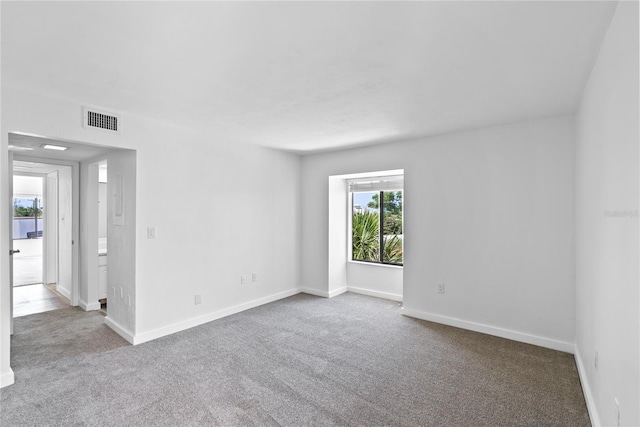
93	118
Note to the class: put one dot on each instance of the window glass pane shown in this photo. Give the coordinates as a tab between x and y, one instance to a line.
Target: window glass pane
392	227
365	227
27	217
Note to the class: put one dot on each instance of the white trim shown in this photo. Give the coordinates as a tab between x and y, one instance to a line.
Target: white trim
324	294
120	330
89	307
7	378
492	330
586	390
64	292
377	264
377	294
337	292
196	321
314	292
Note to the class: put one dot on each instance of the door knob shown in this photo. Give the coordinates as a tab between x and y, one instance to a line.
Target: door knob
12	251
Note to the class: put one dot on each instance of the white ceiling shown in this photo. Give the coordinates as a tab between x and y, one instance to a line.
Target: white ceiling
309	76
31	146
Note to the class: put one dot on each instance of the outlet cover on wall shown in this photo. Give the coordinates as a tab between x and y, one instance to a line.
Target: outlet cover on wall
254	277
198	299
243	280
441	288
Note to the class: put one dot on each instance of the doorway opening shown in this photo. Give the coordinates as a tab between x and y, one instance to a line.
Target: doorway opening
27	229
41	231
101	218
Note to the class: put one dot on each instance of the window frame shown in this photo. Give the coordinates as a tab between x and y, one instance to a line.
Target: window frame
350	195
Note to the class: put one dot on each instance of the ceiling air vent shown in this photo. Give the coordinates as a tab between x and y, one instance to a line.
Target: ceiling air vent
102	120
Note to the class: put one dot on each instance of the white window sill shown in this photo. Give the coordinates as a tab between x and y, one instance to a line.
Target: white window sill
375	264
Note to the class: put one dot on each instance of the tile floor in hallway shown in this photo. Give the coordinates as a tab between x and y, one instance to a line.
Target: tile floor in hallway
27	270
38	298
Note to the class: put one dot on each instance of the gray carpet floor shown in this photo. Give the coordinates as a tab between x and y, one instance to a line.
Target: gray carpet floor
303	361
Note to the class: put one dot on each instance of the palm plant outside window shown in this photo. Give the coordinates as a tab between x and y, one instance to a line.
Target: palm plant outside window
376	226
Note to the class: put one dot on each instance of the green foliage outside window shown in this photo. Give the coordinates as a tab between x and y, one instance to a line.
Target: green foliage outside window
26	208
366	230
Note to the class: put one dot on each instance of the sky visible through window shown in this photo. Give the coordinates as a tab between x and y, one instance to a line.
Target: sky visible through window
363	199
23	202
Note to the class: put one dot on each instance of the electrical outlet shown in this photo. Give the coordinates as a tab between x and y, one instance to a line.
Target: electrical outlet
595	359
198	299
152	233
254	277
243	280
441	288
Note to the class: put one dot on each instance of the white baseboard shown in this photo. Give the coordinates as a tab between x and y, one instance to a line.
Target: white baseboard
377	294
586	390
337	292
65	293
196	321
314	292
323	294
492	330
89	307
120	330
7	378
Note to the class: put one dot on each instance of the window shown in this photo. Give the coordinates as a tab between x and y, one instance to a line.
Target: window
376	220
27	217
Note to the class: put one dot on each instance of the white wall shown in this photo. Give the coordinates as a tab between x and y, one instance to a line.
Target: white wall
6	230
102	210
121	242
607	226
89	279
243	210
27	186
382	281
243	203
488	212
337	209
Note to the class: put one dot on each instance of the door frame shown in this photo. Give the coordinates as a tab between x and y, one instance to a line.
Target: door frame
75	222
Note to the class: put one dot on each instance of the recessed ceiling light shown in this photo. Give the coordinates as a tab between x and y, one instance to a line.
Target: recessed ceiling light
54	147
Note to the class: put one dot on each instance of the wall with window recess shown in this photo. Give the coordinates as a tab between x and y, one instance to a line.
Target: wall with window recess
488	212
383	281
